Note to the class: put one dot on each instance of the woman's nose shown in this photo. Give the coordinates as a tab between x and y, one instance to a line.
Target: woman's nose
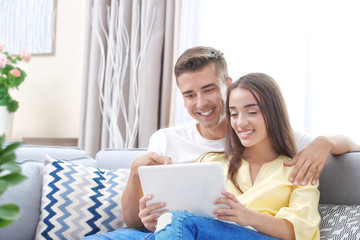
241	121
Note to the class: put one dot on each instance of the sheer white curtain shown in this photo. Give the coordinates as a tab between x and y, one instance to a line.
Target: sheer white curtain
127	72
311	48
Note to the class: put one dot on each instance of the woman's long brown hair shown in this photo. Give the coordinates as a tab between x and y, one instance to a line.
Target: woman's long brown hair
273	109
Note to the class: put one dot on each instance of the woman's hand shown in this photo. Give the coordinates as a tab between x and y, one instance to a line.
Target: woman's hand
146	213
236	212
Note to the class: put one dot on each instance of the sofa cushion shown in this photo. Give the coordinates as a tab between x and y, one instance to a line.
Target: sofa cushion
78	201
339	180
113	158
339	221
35	153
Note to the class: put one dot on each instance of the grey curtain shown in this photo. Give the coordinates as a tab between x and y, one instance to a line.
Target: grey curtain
127	79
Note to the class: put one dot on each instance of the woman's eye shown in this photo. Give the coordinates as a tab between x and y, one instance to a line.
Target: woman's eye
233	115
252	113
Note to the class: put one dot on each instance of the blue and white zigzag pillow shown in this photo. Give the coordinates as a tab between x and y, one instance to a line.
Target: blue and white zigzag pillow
79	201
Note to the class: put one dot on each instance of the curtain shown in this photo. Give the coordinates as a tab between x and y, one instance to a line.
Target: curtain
127	79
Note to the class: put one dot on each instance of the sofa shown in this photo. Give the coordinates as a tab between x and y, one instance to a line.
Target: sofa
57	199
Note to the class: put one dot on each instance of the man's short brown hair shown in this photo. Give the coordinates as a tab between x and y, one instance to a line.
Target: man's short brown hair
196	58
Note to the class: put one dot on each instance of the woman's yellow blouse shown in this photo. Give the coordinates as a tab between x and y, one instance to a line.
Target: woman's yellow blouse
274	195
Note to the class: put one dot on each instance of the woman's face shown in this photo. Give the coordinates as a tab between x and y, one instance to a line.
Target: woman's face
246	118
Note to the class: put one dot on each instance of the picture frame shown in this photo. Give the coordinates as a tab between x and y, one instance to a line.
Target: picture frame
28	25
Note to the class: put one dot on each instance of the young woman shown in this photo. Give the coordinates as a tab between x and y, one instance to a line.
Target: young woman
262	203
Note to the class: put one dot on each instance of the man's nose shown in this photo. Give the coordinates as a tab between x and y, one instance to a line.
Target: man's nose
201	101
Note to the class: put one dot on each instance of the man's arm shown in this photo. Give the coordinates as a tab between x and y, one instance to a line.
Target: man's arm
311	160
133	191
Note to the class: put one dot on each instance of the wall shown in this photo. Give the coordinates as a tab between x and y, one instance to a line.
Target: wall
50	96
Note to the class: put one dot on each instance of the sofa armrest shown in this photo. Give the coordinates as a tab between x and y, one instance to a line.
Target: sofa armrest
115	158
339	181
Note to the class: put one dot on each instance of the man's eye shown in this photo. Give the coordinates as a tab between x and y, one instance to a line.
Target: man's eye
189	96
209	90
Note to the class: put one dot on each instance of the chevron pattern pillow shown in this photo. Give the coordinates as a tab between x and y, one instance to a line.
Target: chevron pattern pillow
79	201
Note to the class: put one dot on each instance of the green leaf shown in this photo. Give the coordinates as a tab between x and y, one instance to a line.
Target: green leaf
12	106
7	157
2	140
3	186
13	178
9	212
5	223
11	166
11	147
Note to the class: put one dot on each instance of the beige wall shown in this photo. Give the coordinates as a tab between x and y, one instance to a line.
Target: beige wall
50	96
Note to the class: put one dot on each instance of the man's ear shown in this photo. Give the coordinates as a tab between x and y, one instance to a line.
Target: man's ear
228	81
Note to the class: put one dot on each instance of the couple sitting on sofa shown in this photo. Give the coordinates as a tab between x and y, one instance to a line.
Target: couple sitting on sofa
258	146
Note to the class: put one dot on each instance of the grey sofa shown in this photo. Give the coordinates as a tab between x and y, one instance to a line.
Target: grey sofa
339	187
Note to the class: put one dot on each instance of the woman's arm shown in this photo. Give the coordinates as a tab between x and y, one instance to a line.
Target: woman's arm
238	213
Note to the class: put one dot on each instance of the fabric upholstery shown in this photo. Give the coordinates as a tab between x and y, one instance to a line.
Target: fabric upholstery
339	181
339	221
78	201
112	158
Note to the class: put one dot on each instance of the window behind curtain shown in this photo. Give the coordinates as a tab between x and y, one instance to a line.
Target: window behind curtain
311	48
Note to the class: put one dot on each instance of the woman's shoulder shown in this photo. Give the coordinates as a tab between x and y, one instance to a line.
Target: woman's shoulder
212	157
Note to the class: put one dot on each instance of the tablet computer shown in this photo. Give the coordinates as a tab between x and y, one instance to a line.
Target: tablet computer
187	186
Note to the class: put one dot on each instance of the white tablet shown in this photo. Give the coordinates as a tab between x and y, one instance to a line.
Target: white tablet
188	186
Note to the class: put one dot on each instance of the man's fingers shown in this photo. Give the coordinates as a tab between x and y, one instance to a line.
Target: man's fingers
156	159
301	173
150	158
296	169
309	174
317	175
292	162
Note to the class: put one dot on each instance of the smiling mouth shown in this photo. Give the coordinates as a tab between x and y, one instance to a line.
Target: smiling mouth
205	114
246	133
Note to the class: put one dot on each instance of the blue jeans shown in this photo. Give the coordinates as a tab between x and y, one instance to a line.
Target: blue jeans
125	233
185	226
182	225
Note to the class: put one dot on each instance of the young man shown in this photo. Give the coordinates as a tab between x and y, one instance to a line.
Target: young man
202	77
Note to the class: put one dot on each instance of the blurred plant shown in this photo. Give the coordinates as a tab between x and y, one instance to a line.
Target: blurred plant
10	174
11	76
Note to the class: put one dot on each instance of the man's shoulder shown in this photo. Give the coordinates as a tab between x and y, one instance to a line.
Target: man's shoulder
186	127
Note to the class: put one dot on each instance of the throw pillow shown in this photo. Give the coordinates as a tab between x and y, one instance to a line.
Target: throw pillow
79	201
339	221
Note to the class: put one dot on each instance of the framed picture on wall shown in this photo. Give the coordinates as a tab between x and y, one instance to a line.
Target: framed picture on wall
28	25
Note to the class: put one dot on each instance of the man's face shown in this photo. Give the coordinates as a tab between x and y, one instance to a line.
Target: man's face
204	96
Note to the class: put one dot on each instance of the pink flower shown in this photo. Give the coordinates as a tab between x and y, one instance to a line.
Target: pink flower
15	72
3	60
2	46
25	55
